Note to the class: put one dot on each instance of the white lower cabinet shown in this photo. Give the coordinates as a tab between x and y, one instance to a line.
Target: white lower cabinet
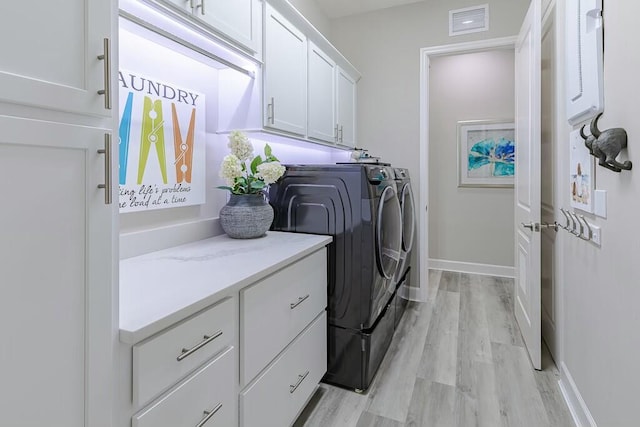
283	341
252	356
277	309
163	360
203	399
277	395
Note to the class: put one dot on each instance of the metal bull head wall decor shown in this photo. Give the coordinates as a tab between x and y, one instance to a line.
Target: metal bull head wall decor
606	145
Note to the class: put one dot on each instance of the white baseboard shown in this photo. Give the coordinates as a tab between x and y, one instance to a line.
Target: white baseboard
145	241
473	268
577	406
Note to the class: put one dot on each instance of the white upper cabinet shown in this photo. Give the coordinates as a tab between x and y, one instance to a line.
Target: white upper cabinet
322	95
346	97
50	54
239	20
285	75
309	87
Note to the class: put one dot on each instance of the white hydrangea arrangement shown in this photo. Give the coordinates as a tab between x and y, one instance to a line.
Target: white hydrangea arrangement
254	178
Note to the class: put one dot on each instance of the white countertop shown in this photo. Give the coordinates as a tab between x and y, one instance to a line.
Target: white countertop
161	288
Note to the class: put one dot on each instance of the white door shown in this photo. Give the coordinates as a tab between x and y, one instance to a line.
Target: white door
50	54
285	76
527	183
346	97
322	92
56	318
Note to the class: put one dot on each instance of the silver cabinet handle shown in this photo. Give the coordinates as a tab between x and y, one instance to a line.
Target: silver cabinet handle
336	133
301	378
106	57
300	301
271	111
186	352
341	133
107	168
208	415
530	226
201	6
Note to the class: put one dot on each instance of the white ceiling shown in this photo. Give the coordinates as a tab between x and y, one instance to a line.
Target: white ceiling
340	8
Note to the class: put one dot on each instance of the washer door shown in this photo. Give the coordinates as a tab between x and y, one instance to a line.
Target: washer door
408	218
388	233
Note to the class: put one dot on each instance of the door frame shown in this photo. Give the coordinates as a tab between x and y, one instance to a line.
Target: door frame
423	198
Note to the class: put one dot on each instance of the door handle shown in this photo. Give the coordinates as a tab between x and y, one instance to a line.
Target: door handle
553	225
533	226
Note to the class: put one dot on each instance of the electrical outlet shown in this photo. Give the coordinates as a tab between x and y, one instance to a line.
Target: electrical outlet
596	236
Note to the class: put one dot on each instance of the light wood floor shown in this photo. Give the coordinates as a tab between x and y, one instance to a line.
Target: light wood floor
457	360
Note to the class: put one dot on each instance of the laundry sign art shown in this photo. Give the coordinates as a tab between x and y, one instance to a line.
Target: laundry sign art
162	144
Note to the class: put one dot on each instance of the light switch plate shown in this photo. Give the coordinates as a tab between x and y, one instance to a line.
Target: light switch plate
600	203
596	234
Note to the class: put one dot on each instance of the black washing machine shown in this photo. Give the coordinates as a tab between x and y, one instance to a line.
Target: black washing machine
402	278
357	204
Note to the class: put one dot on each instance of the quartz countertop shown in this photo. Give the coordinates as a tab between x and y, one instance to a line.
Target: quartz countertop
161	288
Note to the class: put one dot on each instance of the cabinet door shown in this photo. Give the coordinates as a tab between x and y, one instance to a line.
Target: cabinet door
285	77
56	317
50	54
346	88
238	19
322	95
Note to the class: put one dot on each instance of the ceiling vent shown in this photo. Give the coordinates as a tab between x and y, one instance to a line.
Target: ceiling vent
469	20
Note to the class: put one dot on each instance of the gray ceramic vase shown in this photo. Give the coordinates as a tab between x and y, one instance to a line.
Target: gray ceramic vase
246	216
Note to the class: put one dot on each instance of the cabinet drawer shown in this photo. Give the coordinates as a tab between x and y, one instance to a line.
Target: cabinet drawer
211	389
277	309
162	361
278	395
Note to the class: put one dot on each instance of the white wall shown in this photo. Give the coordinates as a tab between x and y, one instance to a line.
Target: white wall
471	225
313	13
601	344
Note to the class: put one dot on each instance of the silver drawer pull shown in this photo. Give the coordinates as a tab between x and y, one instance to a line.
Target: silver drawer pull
301	378
300	301
208	415
189	351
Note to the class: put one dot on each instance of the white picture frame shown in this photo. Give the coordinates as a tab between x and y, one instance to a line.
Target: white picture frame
486	153
581	174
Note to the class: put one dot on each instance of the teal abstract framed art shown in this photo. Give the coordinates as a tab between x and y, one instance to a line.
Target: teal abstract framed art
486	153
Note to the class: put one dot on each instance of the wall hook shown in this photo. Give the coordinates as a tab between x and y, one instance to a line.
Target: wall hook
577	222
566	217
573	224
590	235
606	145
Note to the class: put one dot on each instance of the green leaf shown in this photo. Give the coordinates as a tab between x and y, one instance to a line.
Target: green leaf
267	150
254	164
257	185
224	187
